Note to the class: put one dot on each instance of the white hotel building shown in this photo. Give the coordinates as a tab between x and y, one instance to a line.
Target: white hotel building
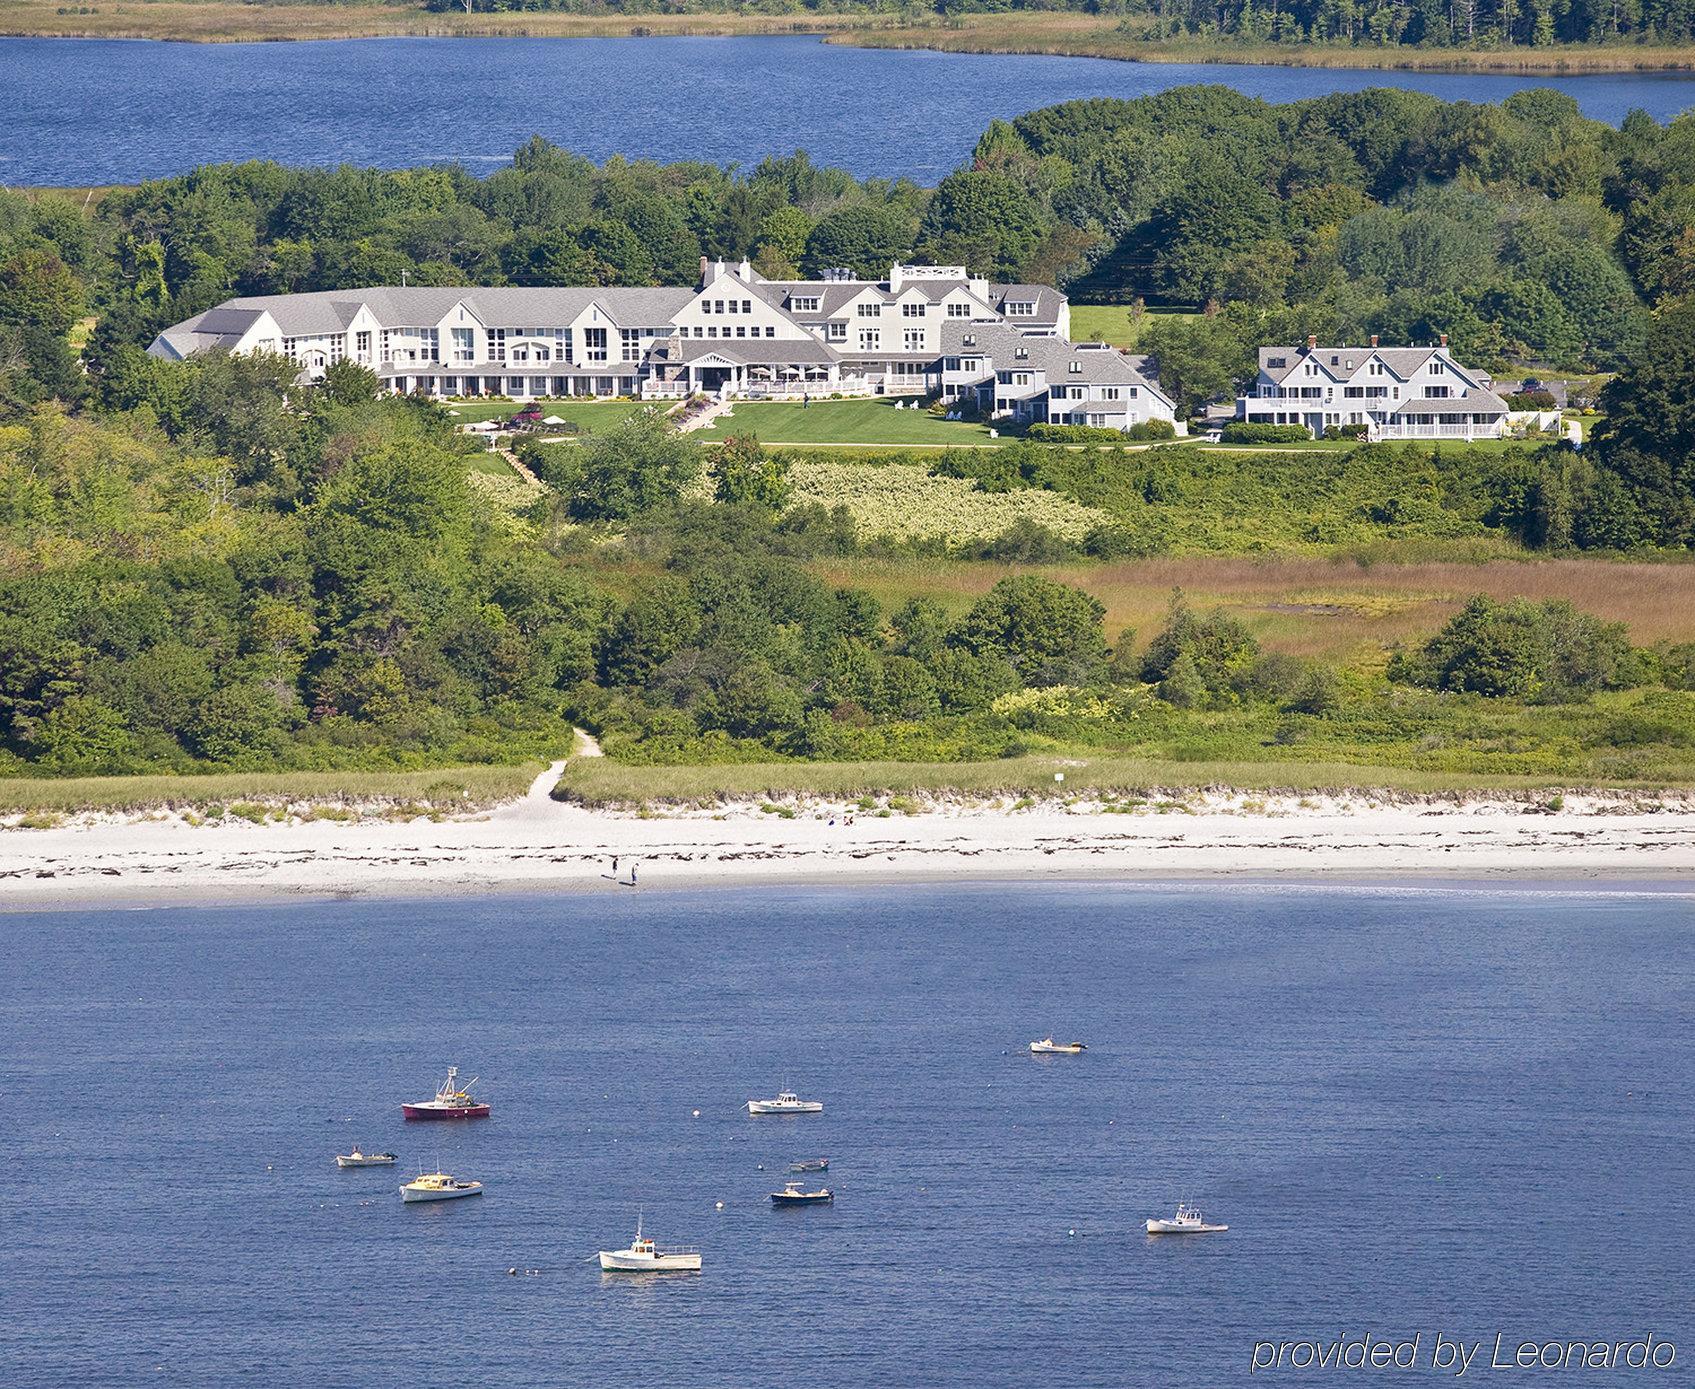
735	333
1395	392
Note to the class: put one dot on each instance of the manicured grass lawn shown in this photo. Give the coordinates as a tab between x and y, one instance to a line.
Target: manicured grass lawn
587	415
841	422
1112	323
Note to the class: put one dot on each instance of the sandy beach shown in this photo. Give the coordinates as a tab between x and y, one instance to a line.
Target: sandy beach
536	844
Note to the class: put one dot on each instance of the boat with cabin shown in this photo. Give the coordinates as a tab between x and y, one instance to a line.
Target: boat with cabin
1048	1047
452	1101
438	1186
643	1256
1187	1221
359	1159
810	1165
792	1195
787	1102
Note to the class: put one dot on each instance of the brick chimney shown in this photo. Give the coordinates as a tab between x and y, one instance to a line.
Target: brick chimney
703	270
1374	339
1312	342
1444	338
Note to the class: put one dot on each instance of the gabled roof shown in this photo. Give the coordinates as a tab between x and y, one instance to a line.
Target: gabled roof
1339	363
1011	350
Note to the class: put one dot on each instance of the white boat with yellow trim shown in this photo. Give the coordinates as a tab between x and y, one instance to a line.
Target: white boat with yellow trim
438	1186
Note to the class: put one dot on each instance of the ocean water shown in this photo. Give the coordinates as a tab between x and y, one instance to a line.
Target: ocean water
91	111
1464	1111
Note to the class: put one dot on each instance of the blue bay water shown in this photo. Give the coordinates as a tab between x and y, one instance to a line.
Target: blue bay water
115	111
1464	1110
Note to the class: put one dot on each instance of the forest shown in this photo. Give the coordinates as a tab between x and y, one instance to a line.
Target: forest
212	566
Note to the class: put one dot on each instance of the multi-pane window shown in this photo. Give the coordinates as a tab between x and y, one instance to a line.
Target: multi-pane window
870	339
594	344
913	339
291	348
871	310
1109	392
464	345
836	332
362	347
1436	392
630	344
429	344
804	303
1019	308
497	344
914	309
958	310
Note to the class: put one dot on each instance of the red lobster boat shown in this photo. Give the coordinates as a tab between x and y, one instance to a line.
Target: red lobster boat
450	1102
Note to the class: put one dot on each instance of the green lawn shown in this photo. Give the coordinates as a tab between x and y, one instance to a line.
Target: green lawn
1112	323
841	422
587	415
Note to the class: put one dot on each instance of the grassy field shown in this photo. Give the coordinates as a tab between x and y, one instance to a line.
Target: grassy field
1335	609
587	415
860	422
1114	323
223	21
602	782
459	787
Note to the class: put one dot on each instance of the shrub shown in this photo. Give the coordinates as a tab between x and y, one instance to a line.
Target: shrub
1152	429
1028	542
1200	659
1531	400
1531	650
1244	433
1073	434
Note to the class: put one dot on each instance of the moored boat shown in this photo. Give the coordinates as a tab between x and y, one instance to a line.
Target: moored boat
643	1256
787	1102
792	1195
810	1165
359	1159
1048	1047
451	1102
1187	1221
438	1186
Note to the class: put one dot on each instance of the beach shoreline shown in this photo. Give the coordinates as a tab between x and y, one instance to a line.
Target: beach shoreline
538	846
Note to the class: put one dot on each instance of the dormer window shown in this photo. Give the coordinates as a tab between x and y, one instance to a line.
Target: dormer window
1276	363
1019	308
804	303
1076	366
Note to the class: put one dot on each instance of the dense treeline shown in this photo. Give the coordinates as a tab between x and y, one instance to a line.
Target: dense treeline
1429	23
1524	231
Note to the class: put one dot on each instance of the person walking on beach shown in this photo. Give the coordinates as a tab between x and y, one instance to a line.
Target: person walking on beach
632	875
615	865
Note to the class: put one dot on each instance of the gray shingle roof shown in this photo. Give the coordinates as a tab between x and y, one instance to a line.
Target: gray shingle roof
1052	356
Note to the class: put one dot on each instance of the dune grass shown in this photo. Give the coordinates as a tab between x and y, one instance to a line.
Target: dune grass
459	787
603	782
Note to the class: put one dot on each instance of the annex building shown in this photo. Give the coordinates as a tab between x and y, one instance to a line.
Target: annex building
922	330
1395	392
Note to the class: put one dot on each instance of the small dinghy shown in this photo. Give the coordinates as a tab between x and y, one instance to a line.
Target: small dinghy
792	1195
1048	1047
810	1165
359	1159
1187	1221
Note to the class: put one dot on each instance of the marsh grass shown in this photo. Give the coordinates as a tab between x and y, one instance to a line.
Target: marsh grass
1329	607
256	795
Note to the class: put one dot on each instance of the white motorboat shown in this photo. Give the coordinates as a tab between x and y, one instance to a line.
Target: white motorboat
786	1103
1187	1221
438	1186
359	1159
643	1256
1048	1047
